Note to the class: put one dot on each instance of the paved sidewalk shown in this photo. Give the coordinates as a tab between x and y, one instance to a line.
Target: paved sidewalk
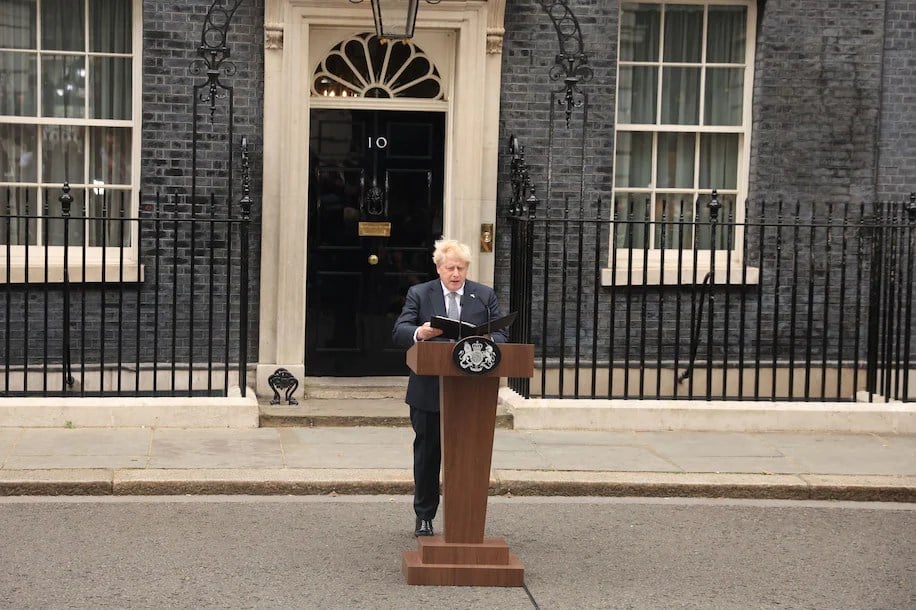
301	460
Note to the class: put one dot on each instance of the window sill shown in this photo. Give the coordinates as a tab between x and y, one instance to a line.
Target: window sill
654	275
112	272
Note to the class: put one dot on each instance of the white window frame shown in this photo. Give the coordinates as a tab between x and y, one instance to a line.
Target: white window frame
39	270
630	266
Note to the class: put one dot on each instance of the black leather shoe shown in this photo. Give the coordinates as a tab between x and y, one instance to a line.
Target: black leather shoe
424	527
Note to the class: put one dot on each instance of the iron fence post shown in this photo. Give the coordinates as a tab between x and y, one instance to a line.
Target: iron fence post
874	303
714	207
245	205
66	200
908	318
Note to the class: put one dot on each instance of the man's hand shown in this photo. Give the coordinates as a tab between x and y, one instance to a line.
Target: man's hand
427	332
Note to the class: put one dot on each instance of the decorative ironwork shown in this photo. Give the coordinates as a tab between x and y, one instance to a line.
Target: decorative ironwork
523	201
364	66
214	51
245	202
571	62
699	330
374	200
244	226
282	379
66	201
911	207
714	206
383	27
89	335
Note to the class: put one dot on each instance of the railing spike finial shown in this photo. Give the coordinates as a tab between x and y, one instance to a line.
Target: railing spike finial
714	206
66	199
522	200
531	204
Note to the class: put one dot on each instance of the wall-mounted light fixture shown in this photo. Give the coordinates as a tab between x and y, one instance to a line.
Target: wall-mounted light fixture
395	19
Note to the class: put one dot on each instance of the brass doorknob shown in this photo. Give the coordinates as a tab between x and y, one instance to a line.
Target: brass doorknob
373	259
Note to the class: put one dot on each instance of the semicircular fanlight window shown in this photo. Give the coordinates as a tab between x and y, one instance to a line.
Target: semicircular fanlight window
364	66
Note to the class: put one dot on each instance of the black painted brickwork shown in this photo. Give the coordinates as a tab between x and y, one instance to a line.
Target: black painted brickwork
832	125
897	141
193	273
833	118
172	32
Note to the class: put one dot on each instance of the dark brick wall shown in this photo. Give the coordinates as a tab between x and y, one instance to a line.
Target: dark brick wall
897	143
172	35
820	88
832	126
817	96
833	122
192	275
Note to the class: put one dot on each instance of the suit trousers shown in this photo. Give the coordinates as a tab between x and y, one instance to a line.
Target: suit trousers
427	460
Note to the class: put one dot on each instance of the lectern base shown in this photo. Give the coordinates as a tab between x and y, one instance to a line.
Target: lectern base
487	564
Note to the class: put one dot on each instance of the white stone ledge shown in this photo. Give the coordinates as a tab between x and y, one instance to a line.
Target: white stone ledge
233	411
94	272
721	416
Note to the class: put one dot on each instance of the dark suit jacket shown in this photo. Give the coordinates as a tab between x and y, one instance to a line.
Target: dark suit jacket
425	301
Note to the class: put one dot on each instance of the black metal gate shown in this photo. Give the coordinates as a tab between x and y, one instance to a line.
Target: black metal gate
787	301
165	309
890	314
819	307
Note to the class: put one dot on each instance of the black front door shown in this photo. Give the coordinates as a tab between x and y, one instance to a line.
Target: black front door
375	209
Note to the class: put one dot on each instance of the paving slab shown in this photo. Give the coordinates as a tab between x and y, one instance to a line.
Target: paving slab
347	456
582	437
862	454
607	457
8	439
707	444
372	436
84	441
222	448
80	448
519	459
378	460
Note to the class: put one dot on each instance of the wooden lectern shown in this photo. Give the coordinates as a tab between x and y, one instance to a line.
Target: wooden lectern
468	418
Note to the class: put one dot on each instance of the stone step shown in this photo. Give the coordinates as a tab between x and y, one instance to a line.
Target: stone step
355	387
344	412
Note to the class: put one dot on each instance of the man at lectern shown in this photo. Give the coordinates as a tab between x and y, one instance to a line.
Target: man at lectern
456	297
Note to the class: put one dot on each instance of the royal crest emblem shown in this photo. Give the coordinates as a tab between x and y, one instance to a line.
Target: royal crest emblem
476	355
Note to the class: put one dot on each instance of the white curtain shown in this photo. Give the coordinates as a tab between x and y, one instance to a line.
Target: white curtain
719	161
633	161
110	77
683	33
726	39
675	162
637	86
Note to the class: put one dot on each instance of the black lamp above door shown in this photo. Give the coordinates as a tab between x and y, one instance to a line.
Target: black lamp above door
395	19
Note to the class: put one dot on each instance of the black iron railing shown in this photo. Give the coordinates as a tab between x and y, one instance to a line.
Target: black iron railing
106	303
792	302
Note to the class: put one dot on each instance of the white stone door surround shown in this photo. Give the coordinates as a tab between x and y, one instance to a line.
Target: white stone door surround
465	39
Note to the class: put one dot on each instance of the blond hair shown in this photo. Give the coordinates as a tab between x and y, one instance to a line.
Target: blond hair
451	247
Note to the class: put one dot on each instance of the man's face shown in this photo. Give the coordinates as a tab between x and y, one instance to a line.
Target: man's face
452	272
